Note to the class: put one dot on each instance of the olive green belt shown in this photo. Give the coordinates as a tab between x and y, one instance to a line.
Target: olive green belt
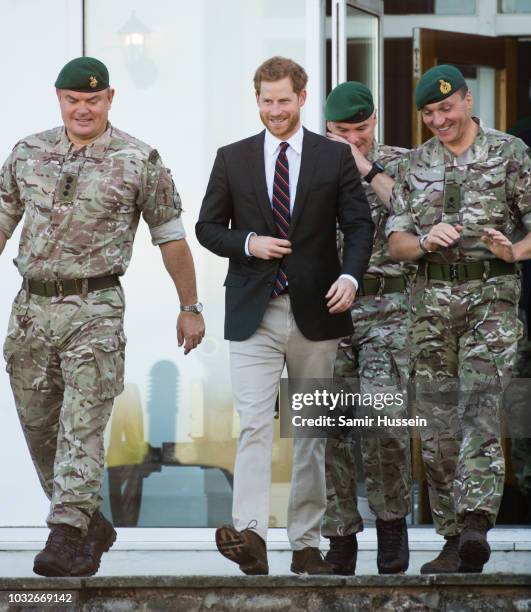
382	284
70	286
460	272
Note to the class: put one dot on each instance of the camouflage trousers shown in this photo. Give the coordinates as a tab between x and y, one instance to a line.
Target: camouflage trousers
65	359
463	339
521	447
377	353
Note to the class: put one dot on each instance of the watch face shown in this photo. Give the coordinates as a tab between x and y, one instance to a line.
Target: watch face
198	308
378	166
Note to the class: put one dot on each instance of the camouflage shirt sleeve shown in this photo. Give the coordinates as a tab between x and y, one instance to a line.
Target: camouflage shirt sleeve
159	202
520	181
400	219
11	206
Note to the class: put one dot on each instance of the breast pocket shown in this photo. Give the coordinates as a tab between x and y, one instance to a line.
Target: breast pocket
37	180
104	190
485	197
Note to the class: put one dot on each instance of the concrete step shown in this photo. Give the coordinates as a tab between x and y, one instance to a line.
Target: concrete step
485	593
171	552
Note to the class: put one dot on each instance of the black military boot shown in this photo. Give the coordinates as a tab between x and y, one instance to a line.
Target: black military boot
447	561
474	550
99	539
393	547
343	554
60	551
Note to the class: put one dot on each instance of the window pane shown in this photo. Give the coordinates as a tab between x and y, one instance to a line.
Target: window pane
455	7
182	88
362	49
514	6
430	7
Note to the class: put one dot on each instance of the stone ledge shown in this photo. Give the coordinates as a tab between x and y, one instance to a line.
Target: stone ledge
267	582
463	593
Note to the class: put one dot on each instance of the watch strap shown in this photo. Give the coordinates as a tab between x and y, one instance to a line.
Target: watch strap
375	169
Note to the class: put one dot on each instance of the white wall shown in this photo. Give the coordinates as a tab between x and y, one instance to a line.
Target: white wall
38	37
188	92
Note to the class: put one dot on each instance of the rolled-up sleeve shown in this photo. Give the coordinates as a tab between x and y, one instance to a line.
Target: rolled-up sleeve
11	206
160	202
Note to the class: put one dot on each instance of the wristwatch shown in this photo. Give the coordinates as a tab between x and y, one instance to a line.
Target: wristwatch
376	169
195	308
422	243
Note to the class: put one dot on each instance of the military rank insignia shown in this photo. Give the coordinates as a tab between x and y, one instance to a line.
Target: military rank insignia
93	81
444	86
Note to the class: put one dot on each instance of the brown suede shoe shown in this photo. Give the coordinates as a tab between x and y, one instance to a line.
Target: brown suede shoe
246	548
309	561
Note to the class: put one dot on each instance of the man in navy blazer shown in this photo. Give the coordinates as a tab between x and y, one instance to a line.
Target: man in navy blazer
272	206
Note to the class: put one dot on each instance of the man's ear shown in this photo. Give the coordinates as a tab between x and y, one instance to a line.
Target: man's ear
469	100
110	96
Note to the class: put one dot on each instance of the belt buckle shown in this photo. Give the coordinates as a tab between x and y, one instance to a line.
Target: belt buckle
59	288
454	273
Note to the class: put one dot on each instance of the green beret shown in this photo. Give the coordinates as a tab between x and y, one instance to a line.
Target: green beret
438	83
350	102
83	74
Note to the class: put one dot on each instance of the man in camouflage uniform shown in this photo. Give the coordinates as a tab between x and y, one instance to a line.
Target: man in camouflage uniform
464	194
376	353
81	189
519	406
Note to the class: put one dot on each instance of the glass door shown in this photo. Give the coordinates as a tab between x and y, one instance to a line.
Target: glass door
356	46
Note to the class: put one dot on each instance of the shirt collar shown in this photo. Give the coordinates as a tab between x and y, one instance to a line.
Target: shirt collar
272	143
439	155
95	149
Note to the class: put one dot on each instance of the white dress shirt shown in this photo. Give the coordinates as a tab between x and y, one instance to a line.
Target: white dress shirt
293	153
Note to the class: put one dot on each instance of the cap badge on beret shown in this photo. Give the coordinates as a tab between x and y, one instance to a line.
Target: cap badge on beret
444	86
93	82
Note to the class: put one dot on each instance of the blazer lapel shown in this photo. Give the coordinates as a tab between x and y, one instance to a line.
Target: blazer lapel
310	153
256	161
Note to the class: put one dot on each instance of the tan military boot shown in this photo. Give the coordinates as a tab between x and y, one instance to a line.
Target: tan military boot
447	561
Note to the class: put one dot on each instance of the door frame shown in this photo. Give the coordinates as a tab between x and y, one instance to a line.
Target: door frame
431	46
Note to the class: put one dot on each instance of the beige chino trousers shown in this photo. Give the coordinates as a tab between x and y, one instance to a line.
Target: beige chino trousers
256	367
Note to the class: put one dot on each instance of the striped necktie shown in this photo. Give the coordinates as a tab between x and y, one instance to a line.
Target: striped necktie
281	211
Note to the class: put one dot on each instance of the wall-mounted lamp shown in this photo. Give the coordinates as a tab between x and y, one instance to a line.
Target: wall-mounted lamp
134	35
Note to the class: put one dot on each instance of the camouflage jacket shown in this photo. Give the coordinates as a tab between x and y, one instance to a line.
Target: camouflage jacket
380	262
488	186
82	207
